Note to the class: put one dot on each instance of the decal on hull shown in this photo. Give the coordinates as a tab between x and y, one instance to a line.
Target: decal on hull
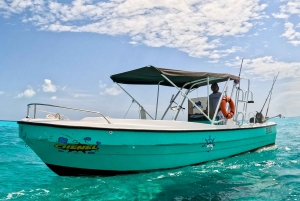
209	143
77	147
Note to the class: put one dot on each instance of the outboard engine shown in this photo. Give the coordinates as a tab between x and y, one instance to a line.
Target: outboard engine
259	118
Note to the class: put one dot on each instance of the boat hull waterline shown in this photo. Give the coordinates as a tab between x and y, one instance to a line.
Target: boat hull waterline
71	150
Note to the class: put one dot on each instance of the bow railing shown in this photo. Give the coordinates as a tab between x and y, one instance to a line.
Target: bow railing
56	106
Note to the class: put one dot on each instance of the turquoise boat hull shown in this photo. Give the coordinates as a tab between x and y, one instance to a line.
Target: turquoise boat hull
100	151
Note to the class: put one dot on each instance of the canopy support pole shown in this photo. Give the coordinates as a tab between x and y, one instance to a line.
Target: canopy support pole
171	101
231	95
183	94
179	106
207	96
219	102
157	98
134	100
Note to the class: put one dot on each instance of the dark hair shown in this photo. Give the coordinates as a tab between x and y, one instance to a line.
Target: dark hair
214	84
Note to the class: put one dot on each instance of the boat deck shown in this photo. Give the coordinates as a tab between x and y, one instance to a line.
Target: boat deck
137	124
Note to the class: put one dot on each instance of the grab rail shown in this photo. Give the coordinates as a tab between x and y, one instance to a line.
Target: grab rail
68	108
244	100
242	121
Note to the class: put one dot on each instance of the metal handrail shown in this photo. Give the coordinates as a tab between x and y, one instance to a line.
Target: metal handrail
134	100
251	93
237	121
183	94
245	98
62	107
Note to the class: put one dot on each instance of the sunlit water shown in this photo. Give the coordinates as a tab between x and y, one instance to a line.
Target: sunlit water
271	173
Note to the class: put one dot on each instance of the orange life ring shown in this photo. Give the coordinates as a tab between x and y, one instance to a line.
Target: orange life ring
223	107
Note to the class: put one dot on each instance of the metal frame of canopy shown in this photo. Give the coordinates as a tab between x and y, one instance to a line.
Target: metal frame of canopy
185	95
190	85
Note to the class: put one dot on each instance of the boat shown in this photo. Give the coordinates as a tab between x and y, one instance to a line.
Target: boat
108	146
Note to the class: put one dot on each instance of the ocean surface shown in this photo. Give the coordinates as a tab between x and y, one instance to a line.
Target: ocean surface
271	173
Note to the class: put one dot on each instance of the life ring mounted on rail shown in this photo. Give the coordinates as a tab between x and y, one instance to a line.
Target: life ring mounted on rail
227	115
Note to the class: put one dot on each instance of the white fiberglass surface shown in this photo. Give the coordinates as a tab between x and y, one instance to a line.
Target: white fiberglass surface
137	124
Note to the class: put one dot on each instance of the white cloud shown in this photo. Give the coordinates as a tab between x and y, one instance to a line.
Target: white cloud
1	92
114	90
192	26
53	97
48	86
15	6
213	61
288	9
133	42
265	68
291	34
280	15
28	93
101	84
82	95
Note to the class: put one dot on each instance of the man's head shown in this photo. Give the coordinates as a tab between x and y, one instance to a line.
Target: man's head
215	87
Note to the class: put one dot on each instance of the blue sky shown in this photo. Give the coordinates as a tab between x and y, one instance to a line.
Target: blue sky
63	52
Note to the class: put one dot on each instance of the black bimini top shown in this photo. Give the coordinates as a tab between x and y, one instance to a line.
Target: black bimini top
151	75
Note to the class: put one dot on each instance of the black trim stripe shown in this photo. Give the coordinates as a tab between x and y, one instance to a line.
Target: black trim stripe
133	130
70	171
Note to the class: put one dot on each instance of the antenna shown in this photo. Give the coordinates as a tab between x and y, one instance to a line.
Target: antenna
270	99
269	92
241	67
238	81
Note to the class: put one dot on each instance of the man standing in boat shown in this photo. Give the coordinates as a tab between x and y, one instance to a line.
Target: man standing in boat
213	100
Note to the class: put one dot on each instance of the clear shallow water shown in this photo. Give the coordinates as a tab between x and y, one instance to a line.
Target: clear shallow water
271	173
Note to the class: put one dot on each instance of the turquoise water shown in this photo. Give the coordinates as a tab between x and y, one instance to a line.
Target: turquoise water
271	173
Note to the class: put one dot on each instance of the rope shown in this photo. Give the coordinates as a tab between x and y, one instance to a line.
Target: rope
128	108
